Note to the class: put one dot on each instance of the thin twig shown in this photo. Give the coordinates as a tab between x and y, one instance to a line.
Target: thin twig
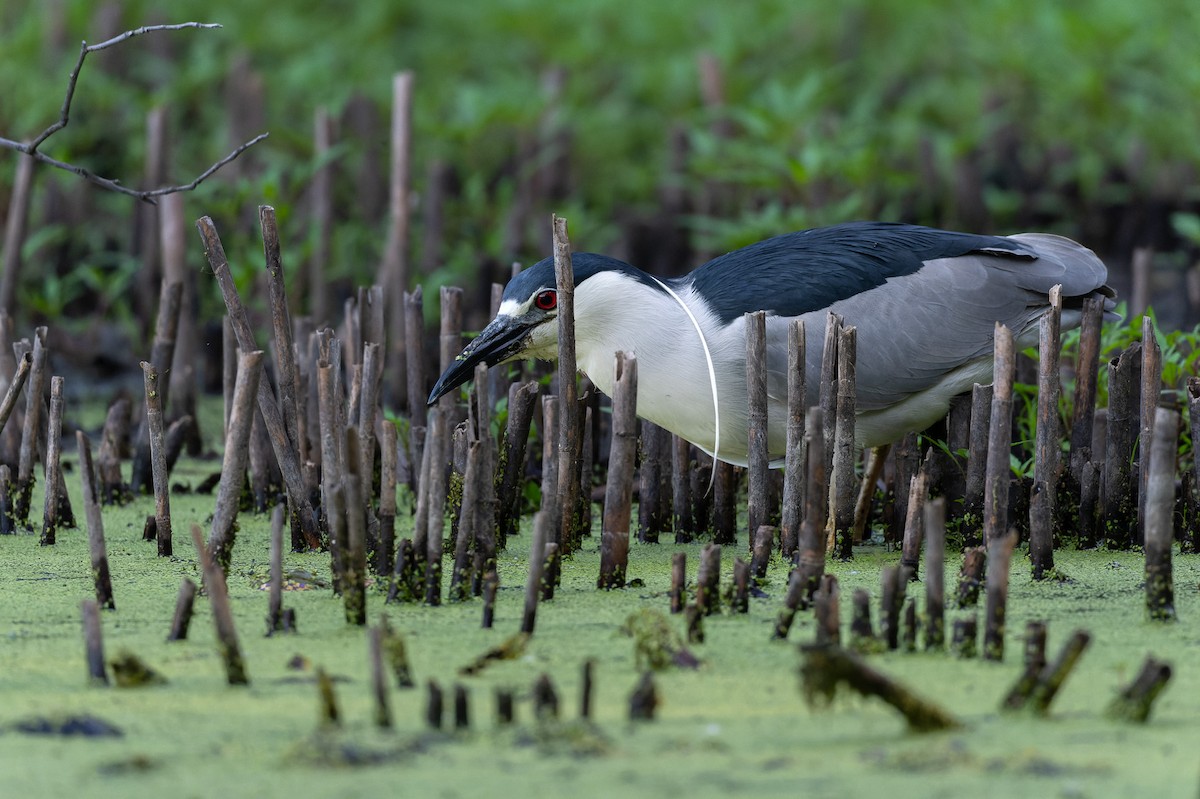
31	148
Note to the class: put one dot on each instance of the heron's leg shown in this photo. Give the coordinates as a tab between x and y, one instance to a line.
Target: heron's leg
866	489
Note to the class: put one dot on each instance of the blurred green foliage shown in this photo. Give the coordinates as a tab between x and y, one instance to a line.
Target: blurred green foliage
1045	113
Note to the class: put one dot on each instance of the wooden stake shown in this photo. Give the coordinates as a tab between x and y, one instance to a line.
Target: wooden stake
95	524
281	324
33	410
827	612
521	399
1086	377
1151	385
354	584
1055	674
935	580
218	597
1120	508
379	686
678	581
53	473
1136	699
999	559
233	464
93	642
756	395
275	598
533	584
158	461
708	576
568	392
385	551
843	484
977	459
618	495
891	602
285	454
1160	522
995	493
795	469
162	353
184	604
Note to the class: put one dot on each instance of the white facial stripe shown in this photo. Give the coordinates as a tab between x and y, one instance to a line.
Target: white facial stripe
510	308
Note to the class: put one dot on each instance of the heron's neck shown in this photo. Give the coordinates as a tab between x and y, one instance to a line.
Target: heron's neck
617	312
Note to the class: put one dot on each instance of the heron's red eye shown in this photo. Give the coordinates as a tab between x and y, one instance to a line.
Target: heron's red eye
546	300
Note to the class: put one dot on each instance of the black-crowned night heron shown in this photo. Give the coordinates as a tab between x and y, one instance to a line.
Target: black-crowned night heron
925	303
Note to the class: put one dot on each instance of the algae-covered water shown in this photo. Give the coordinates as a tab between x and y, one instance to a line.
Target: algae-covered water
737	726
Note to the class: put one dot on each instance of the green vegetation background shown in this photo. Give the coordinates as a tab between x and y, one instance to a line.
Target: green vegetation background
1075	117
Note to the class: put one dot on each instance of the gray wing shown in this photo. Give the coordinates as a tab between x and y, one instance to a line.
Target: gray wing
916	328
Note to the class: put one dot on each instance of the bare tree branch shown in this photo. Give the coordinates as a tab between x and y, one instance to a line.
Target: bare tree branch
31	148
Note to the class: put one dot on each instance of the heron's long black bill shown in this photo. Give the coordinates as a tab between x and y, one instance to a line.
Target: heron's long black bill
500	340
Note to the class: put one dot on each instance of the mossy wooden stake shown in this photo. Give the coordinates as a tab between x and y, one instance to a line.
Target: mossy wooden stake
286	370
1055	673
385	553
964	638
511	468
1043	504
285	454
1119	507
218	597
910	548
587	688
999	559
644	701
184	604
1035	661
162	353
653	477
1136	700
682	520
460	577
792	601
33	410
935	579
1087	368
1160	521
891	602
13	392
795	475
970	577
545	699
810	552
843	484
757	513
328	714
93	641
977	459
826	666
158	460
275	596
708	576
618	494
332	463
101	577
568	394
827	612
678	581
533	584
414	352
862	635
436	489
828	389
504	707
379	686
995	489
53	471
1151	387
236	456
354	584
